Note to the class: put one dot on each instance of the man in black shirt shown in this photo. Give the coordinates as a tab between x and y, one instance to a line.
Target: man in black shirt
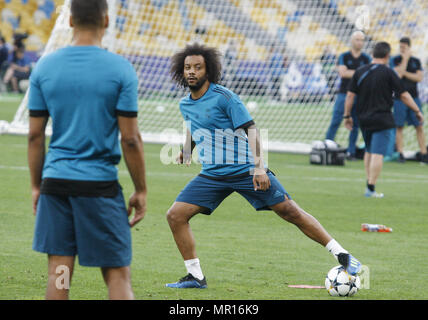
374	86
409	69
347	63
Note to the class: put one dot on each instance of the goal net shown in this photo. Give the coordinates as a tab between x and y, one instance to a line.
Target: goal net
278	55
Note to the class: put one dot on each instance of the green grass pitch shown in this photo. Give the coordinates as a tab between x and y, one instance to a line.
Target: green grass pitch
244	254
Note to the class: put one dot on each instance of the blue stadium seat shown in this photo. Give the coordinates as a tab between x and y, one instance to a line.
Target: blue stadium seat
159	4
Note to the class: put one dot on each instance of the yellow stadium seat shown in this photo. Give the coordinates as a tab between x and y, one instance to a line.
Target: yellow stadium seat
313	27
7	31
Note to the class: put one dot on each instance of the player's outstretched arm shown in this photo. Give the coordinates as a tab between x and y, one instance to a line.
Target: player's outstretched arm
133	152
410	103
36	155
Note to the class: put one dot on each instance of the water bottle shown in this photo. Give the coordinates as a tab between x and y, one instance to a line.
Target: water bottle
367	227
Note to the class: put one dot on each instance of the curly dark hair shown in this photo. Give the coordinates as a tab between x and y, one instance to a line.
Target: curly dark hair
211	57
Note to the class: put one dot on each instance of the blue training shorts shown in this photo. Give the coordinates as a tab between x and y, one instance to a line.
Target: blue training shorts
96	229
403	114
378	141
209	193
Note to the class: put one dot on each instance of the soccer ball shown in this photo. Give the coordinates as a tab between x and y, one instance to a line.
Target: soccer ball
340	283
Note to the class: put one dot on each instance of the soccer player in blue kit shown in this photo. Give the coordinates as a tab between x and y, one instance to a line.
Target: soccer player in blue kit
91	95
213	114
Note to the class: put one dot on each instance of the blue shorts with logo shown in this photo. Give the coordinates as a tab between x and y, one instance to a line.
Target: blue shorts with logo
209	193
378	141
403	114
96	229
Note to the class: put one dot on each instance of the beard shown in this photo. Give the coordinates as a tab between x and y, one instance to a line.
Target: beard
198	84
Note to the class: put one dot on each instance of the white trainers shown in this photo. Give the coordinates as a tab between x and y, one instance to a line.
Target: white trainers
373	194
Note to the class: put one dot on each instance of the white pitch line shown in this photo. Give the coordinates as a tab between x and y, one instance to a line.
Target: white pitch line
294	166
14	168
10	99
283	177
348	170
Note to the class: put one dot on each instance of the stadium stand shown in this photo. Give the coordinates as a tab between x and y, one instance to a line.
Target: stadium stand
35	18
309	34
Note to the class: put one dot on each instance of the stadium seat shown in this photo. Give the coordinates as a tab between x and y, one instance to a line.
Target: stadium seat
142	24
296	33
36	18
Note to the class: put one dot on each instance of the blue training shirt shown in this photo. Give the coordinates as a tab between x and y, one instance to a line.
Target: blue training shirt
83	89
215	121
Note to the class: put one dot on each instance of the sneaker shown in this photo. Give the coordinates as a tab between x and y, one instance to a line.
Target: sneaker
351	157
373	194
189	281
351	265
401	158
424	158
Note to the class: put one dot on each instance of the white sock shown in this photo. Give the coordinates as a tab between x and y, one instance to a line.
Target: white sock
335	248
194	268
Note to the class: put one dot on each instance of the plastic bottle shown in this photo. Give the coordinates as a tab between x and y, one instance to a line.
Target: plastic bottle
367	227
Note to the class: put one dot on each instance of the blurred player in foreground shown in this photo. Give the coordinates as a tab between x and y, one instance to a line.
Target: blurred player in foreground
213	114
375	85
91	95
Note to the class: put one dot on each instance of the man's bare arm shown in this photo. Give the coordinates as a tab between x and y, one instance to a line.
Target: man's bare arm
349	103
401	68
417	76
261	180
344	72
133	152
186	153
410	103
256	147
36	155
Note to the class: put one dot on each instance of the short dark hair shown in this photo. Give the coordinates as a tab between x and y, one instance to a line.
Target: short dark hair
89	13
381	50
405	40
210	55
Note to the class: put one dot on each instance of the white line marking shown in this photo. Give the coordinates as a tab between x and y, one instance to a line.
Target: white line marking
414	179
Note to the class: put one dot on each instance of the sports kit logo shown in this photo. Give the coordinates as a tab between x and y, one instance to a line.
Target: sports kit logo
221	146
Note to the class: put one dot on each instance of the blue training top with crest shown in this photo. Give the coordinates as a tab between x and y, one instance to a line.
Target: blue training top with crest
216	121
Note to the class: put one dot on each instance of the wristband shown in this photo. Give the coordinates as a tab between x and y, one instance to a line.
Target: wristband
346	117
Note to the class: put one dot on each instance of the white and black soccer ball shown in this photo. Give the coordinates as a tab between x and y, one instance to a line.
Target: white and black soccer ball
340	283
